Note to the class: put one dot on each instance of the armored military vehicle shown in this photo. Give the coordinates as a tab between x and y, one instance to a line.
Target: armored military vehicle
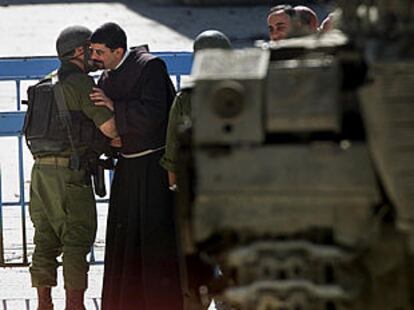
301	183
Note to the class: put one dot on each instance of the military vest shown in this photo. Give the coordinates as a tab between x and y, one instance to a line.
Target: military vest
45	130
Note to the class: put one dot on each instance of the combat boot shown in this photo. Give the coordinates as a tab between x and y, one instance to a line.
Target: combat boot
44	298
74	299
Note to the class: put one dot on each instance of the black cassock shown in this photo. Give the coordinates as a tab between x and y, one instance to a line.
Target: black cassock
141	257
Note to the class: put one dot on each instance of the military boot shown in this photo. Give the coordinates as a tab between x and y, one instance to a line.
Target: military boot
44	298
74	299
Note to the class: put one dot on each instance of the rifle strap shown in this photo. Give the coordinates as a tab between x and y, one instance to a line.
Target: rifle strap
65	116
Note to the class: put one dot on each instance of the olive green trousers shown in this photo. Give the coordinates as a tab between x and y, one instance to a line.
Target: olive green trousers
63	211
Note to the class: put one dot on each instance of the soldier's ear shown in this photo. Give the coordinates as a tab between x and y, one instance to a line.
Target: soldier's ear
78	51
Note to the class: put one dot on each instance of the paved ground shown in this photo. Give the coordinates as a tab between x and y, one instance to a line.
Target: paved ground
29	28
32	28
15	289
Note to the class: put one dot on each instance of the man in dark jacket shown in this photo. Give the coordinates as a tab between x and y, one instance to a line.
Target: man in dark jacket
141	261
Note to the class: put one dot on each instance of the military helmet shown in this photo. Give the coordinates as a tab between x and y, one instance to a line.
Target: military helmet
71	38
211	39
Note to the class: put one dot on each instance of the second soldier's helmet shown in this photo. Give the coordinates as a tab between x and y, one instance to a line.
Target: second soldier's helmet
71	38
211	39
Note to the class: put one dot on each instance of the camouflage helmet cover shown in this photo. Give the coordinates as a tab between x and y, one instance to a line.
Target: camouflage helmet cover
71	38
211	39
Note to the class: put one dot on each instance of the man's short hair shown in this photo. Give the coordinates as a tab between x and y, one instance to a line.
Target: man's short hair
307	17
110	34
286	8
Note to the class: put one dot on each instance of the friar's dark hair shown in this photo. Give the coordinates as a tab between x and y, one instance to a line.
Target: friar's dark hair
110	34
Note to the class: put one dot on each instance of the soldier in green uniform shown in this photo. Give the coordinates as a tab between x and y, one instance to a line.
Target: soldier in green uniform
180	112
197	272
62	203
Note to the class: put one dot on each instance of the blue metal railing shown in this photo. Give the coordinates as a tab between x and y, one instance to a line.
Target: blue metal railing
1	224
35	68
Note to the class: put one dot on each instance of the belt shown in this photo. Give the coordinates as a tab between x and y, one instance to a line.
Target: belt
143	153
53	161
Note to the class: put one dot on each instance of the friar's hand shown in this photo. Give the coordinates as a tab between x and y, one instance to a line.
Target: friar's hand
100	99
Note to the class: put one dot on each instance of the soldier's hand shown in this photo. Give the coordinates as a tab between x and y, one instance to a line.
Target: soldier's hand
117	142
100	99
172	178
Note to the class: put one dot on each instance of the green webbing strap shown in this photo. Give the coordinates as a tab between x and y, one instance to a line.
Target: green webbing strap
64	115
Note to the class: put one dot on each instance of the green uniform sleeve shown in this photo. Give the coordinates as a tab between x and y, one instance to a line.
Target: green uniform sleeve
179	110
77	90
